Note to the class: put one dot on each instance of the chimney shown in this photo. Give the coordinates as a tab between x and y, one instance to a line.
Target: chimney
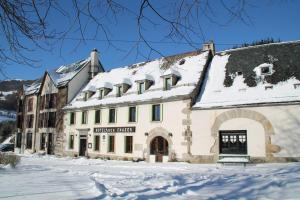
209	46
94	63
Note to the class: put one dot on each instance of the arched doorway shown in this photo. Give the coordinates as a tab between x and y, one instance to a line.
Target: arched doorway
159	147
246	114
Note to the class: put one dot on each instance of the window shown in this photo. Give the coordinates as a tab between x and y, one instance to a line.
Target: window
132	114
128	144
97	142
97	116
19	140
156	112
85	96
233	142
141	88
112	115
30	105
43	141
72	118
265	70
297	86
20	106
19	121
51	119
119	91
42	102
41	120
90	94
52	101
71	142
111	144
168	83
84	117
101	94
30	121
29	141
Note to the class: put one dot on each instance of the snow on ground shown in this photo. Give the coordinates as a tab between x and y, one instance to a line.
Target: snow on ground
47	177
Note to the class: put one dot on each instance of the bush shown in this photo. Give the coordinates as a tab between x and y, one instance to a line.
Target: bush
8	158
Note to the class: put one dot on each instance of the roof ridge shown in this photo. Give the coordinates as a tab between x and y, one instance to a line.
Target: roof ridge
259	45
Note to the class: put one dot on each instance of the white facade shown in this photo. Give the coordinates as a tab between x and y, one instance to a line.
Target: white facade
270	130
169	127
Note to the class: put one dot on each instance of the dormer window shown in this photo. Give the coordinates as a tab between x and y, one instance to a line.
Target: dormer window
104	90
122	88
168	83
119	91
265	70
141	87
170	78
144	82
101	94
297	86
90	94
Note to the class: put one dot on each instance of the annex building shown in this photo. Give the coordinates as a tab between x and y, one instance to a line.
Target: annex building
199	106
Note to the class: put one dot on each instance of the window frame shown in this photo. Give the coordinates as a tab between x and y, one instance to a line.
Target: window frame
119	90
74	118
101	94
128	149
153	115
27	141
30	105
111	145
140	91
109	116
129	114
84	120
97	145
168	83
95	116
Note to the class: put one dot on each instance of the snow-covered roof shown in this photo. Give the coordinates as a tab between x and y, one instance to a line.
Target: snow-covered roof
60	76
190	73
63	74
238	78
33	88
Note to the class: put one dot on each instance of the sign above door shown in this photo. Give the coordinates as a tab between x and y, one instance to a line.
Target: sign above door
128	129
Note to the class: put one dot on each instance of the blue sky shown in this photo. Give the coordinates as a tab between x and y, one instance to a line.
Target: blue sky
276	19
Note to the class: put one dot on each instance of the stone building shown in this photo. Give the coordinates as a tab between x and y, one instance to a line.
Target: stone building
238	105
249	106
40	115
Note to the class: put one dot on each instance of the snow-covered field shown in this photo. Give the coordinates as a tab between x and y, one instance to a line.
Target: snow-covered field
47	177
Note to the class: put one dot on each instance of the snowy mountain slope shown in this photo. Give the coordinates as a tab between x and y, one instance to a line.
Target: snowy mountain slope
67	178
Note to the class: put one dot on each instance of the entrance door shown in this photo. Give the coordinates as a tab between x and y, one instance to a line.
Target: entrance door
233	142
82	149
159	147
50	144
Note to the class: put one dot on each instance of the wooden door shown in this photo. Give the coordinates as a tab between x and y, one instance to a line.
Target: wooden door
82	149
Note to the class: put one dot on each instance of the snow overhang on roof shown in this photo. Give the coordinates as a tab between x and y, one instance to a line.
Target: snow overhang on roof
143	77
123	81
171	72
262	74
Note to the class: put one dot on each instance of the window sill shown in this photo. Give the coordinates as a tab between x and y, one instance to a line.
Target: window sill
156	121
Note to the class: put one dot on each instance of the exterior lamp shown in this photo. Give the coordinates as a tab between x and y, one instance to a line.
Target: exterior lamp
170	134
146	134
